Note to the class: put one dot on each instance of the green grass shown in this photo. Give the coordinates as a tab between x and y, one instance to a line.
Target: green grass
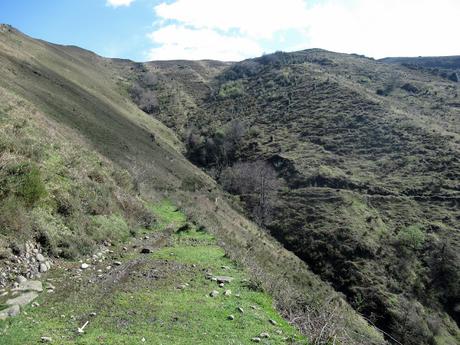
167	214
147	304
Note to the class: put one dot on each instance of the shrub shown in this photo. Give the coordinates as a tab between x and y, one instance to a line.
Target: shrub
411	237
24	180
231	89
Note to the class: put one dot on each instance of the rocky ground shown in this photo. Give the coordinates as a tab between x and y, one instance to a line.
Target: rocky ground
171	286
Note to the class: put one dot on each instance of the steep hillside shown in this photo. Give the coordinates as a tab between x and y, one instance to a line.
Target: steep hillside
369	154
83	171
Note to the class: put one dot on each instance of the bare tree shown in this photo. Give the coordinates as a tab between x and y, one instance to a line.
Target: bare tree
257	182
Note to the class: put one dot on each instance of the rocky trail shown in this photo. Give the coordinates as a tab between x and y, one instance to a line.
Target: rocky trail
171	286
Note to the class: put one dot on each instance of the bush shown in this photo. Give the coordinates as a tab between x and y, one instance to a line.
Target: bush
231	89
411	237
25	182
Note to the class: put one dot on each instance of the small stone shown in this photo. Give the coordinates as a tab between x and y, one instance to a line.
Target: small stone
181	287
224	279
214	293
146	251
84	266
278	331
125	248
214	279
108	268
264	335
93	314
273	322
227	292
256	340
231	317
143	340
40	258
221	285
35	305
146	237
46	339
21	279
241	310
117	263
9	312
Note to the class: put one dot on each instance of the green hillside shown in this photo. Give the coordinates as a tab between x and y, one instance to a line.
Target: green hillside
87	177
369	157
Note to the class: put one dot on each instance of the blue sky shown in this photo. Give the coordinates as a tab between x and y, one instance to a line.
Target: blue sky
237	29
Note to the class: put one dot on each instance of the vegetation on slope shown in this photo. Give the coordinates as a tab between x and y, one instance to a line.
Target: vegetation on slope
100	159
157	298
370	155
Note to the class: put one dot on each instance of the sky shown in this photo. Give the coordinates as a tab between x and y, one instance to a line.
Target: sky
233	30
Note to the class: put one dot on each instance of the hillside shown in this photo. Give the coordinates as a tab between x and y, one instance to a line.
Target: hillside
369	156
88	181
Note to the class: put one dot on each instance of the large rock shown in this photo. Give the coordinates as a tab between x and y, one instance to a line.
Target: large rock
43	267
40	258
8	312
23	299
31	285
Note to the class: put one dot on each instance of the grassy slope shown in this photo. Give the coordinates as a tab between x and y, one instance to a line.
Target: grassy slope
140	299
77	103
362	168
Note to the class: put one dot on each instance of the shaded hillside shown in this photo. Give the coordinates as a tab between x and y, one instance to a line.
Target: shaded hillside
84	167
370	155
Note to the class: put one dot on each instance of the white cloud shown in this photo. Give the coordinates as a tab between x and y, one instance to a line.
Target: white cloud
236	29
118	3
254	18
180	42
386	28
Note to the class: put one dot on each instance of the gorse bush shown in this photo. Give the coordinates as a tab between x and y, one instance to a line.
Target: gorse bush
25	182
231	89
411	237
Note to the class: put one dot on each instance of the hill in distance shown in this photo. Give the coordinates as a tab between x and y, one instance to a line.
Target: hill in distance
327	183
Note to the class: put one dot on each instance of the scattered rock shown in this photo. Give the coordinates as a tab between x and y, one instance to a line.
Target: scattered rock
224	279
21	279
214	293
231	317
23	299
146	251
84	266
273	322
9	312
31	285
46	339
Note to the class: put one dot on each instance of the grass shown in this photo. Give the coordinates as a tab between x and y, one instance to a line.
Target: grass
145	303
